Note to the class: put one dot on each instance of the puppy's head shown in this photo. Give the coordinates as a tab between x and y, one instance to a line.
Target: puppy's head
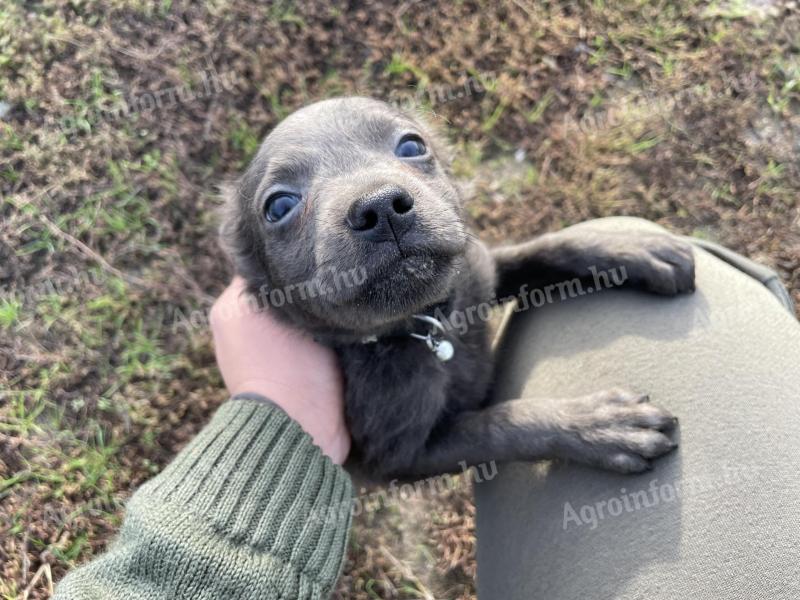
346	220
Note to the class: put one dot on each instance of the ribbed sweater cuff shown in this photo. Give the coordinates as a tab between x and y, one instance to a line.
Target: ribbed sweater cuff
255	479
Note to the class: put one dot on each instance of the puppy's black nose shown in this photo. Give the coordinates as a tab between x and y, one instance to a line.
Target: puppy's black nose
382	216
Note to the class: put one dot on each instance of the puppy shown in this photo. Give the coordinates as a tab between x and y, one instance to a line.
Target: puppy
353	185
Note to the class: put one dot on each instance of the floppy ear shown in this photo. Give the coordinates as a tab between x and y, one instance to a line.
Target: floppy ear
239	236
229	221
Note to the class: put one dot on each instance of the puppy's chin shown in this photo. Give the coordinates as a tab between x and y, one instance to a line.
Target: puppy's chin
389	292
400	288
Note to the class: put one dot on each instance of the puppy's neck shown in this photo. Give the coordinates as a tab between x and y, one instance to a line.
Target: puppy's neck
416	325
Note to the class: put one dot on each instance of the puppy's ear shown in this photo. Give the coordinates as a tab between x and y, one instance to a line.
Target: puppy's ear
229	221
239	236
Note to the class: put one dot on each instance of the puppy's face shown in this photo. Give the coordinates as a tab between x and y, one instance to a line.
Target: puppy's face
346	220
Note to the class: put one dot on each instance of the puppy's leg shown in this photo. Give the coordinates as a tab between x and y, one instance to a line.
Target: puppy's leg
655	262
614	430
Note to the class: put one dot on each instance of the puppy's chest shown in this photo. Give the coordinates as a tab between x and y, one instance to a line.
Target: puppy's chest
398	384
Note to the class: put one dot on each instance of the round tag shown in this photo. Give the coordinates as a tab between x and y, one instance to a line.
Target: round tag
444	350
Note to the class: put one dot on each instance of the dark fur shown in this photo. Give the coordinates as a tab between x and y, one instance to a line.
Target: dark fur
409	414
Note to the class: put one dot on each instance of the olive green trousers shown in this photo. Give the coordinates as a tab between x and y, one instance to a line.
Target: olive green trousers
718	518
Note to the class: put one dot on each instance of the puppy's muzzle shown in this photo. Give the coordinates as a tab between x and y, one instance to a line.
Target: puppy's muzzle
384	215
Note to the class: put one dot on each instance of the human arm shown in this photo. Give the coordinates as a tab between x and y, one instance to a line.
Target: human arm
251	507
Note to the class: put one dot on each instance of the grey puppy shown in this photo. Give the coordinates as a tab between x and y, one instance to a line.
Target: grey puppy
355	185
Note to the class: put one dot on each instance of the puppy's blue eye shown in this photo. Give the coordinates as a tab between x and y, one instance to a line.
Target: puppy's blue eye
279	205
410	146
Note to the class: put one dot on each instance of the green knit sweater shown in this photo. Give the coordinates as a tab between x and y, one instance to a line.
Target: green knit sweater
249	509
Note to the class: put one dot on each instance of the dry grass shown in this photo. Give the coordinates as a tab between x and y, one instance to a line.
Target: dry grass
682	112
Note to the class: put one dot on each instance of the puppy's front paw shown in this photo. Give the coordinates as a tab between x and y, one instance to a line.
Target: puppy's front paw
662	264
613	429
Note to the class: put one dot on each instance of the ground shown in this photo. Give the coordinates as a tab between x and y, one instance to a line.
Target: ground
120	119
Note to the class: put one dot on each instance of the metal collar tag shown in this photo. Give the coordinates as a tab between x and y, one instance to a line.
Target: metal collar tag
434	339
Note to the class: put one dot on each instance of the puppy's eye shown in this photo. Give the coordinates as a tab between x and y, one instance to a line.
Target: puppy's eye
279	205
410	146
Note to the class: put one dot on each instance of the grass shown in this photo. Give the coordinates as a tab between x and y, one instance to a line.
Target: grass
681	112
9	313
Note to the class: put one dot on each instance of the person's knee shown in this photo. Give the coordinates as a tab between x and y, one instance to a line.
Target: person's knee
621	224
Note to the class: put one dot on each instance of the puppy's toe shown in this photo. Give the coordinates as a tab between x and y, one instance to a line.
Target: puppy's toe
648	443
679	258
621	396
662	278
665	265
648	416
624	462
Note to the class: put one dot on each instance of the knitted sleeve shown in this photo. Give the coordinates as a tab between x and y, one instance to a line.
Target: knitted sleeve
249	509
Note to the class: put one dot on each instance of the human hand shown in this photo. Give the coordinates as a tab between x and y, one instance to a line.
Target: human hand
257	354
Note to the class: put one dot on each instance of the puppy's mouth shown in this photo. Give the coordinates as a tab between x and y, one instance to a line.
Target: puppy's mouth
409	270
398	279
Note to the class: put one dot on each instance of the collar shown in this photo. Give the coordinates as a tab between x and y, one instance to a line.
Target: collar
434	338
